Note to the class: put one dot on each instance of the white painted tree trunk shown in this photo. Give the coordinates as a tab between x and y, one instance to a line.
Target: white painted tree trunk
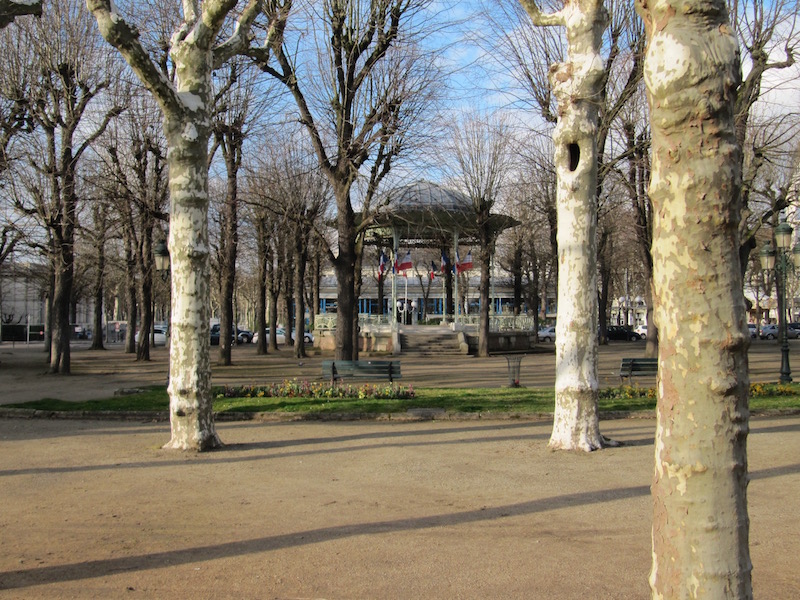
190	402
187	104
700	521
577	85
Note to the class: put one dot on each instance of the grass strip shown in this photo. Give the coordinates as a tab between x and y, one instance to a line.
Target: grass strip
473	400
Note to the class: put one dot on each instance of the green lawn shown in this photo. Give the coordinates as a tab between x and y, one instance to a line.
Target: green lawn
517	400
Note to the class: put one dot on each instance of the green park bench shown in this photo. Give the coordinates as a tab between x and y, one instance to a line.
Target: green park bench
631	367
336	370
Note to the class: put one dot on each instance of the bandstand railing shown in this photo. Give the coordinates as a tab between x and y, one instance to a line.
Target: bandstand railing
327	321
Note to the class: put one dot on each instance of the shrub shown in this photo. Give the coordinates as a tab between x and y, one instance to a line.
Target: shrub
626	392
757	390
304	389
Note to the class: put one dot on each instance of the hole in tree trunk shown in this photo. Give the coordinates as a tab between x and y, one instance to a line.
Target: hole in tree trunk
574	156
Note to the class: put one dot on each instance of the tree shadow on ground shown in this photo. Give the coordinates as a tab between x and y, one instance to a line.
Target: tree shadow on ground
111	566
107	567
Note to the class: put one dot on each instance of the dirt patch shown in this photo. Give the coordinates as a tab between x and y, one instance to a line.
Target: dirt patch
355	510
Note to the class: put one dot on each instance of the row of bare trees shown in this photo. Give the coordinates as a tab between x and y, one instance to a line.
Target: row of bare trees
359	80
622	170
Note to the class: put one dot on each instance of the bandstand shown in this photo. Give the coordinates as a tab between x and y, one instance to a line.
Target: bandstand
424	215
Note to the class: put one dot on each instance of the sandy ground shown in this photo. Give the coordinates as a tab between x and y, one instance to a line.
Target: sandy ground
442	509
355	510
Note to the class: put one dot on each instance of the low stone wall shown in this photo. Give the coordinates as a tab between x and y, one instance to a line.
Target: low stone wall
370	340
505	341
382	340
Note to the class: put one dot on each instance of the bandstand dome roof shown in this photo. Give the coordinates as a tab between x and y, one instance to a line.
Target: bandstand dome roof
425	210
423	196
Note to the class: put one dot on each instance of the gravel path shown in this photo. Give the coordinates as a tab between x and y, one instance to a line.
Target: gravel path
355	510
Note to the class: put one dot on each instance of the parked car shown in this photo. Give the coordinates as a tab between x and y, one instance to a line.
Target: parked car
771	332
547	334
753	328
160	336
280	335
243	336
240	336
642	331
619	332
215	331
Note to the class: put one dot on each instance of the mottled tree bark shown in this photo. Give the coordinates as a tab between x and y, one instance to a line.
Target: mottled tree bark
577	85
11	9
189	387
700	521
186	104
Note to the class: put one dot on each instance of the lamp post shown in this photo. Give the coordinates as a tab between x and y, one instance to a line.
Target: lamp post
161	256
778	260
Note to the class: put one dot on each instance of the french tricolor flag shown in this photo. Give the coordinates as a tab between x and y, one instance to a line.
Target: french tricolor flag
382	265
466	265
406	263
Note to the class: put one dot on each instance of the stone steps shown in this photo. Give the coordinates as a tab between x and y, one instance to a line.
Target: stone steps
430	343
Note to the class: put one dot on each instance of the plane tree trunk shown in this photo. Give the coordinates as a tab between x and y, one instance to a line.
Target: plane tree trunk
187	103
576	84
700	521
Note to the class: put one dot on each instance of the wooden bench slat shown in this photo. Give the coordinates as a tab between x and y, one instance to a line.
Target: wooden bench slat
629	367
371	369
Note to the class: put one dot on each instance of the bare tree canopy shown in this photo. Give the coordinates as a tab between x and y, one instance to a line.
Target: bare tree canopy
482	154
358	81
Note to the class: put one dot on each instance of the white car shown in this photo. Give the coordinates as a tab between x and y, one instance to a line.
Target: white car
547	334
773	332
280	335
642	331
160	337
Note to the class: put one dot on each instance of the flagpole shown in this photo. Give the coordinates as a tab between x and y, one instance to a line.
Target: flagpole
444	296
405	305
457	298
395	243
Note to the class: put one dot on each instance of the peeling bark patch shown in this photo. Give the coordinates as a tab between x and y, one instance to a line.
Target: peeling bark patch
190	132
667	62
574	156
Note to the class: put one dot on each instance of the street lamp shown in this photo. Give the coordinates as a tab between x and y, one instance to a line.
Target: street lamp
769	262
161	255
